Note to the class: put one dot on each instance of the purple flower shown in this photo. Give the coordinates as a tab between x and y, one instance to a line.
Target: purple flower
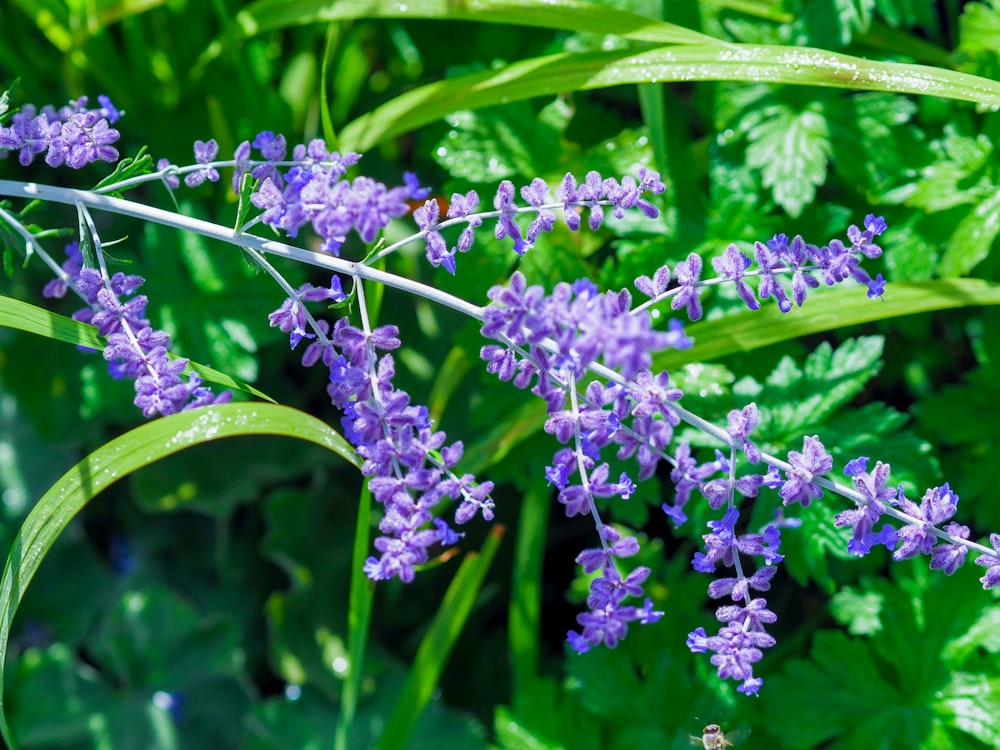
134	349
688	273
506	226
607	619
73	135
731	266
800	486
991	563
742	423
949	557
204	153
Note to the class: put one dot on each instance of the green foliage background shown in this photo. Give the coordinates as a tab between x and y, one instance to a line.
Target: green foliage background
221	575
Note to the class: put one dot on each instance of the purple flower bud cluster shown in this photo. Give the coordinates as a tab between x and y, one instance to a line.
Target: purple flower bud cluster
834	262
607	618
313	190
410	468
427	217
72	135
134	349
923	530
739	642
593	195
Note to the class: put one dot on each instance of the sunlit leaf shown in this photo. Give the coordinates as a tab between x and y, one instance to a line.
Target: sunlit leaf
546	76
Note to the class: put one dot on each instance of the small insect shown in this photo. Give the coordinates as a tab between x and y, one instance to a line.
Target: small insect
712	738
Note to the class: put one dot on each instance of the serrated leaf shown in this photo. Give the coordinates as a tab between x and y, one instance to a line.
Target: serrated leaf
792	150
911	667
959	174
496	143
909	255
906	13
952	412
973	238
876	125
846	18
797	399
854	689
979	38
859	611
979	28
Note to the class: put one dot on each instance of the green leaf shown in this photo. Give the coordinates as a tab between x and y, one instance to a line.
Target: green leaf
436	645
797	399
128	167
305	540
877	125
925	667
52	680
152	648
193	481
906	13
791	149
24	316
979	38
959	175
567	15
152	639
500	142
120	457
845	18
860	612
973	238
279	723
555	74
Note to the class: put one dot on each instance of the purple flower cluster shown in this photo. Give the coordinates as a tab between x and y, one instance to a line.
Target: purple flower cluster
593	195
428	217
834	262
72	135
551	341
313	190
608	618
134	349
410	468
737	646
923	530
